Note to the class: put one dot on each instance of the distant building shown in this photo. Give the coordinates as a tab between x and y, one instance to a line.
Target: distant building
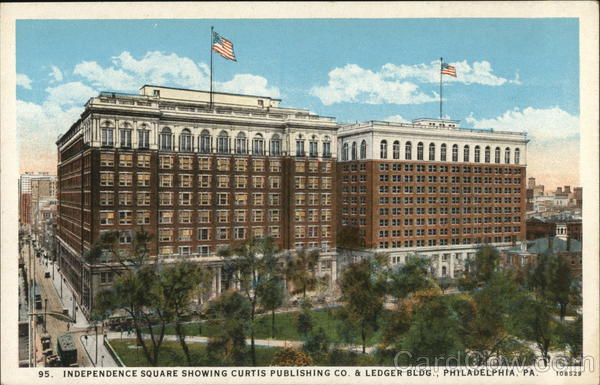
528	253
538	228
33	189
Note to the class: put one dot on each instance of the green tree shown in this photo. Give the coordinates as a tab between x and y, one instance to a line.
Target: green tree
363	291
230	313
480	269
551	278
531	319
432	334
179	283
483	317
571	337
254	265
300	270
410	277
291	357
349	237
304	322
317	344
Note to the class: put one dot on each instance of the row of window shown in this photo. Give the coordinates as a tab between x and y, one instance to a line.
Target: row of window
142	217
443	242
166	142
206	250
383	152
446	231
224	233
443	221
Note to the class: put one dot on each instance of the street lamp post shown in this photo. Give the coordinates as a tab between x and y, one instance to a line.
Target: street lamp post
96	328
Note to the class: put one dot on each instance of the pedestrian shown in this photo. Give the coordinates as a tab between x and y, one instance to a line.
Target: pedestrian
68	325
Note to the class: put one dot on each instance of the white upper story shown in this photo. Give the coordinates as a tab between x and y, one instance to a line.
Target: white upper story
430	140
172	119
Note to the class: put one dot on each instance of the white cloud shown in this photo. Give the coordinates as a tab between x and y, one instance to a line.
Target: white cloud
23	81
55	74
249	84
540	124
105	78
396	119
352	83
479	72
128	74
74	93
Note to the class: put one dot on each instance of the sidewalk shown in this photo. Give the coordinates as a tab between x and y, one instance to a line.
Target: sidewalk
104	357
63	290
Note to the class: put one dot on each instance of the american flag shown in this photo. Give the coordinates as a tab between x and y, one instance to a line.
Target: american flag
223	46
448	70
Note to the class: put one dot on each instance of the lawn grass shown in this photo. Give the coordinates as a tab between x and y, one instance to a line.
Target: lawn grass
285	327
171	354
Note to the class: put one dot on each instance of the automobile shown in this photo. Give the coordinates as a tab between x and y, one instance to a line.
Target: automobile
47	274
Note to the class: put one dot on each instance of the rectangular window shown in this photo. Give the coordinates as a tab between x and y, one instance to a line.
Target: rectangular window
165	162
185	163
223	216
165	198
107	217
275	166
300	182
223	164
165	180
239	215
125	179
300	166
204	181
143	160
185	198
204	234
125	217
274	215
203	216
165	250
125	198
204	164
241	181
165	217
222	199
106	198
274	231
185	180
125	160
185	235
143	217
299	215
258	165
258	181
313	183
274	199
300	199
204	199
300	231
239	232
325	231
185	216
223	181
241	199
257	216
107	179
165	235
326	199
143	179
222	233
107	159
241	165
258	199
275	182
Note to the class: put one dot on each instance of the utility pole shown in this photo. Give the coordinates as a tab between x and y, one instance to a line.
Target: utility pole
45	314
96	359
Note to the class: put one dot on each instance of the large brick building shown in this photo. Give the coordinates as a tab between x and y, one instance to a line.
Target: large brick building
196	176
432	188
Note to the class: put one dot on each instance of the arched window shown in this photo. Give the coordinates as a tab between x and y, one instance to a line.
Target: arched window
517	156
205	142
396	150
431	151
166	139
326	147
300	146
125	134
443	152
507	155
497	155
258	145
313	147
408	151
240	143
363	150
275	145
477	154
354	151
223	143
466	154
455	153
345	151
420	151
487	154
185	141
383	149
143	137
107	134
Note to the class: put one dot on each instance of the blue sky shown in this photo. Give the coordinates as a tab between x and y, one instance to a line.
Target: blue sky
515	74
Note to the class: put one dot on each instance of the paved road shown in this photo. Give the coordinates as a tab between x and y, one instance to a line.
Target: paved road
55	325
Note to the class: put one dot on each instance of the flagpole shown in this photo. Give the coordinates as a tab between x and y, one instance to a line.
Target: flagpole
441	65
210	105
